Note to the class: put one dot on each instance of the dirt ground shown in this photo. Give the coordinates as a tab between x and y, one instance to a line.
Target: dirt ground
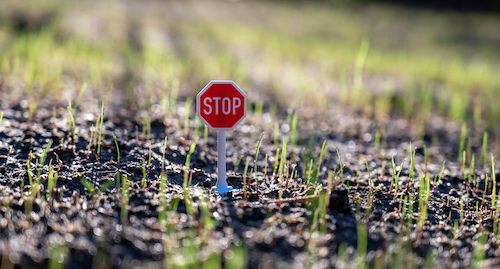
277	233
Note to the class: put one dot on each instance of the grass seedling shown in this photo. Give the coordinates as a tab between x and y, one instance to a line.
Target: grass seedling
117	175
1	117
455	229
479	251
188	161
187	106
295	120
309	172
6	198
426	157
125	198
485	149
463	133
323	148
463	164
412	154
89	186
282	163
485	190
245	179
197	126
90	142
471	170
461	210
370	189
144	174
73	125
28	204
51	182
423	198
80	94
276	162
149	157
341	166
362	240
494	187
255	159
57	256
100	131
162	215
493	195
42	160
265	168
106	185
438	179
28	170
146	130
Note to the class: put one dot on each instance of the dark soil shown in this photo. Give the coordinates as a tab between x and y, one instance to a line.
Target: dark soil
277	233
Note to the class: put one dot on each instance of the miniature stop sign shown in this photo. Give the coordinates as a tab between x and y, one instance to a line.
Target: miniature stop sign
221	105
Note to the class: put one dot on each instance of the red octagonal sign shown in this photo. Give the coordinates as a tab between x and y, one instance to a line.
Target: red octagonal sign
221	105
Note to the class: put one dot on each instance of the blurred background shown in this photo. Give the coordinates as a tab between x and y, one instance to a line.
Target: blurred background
423	61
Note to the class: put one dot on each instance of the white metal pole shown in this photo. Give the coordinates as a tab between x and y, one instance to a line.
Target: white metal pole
221	187
221	160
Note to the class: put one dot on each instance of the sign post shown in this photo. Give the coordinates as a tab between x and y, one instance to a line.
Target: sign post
221	105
